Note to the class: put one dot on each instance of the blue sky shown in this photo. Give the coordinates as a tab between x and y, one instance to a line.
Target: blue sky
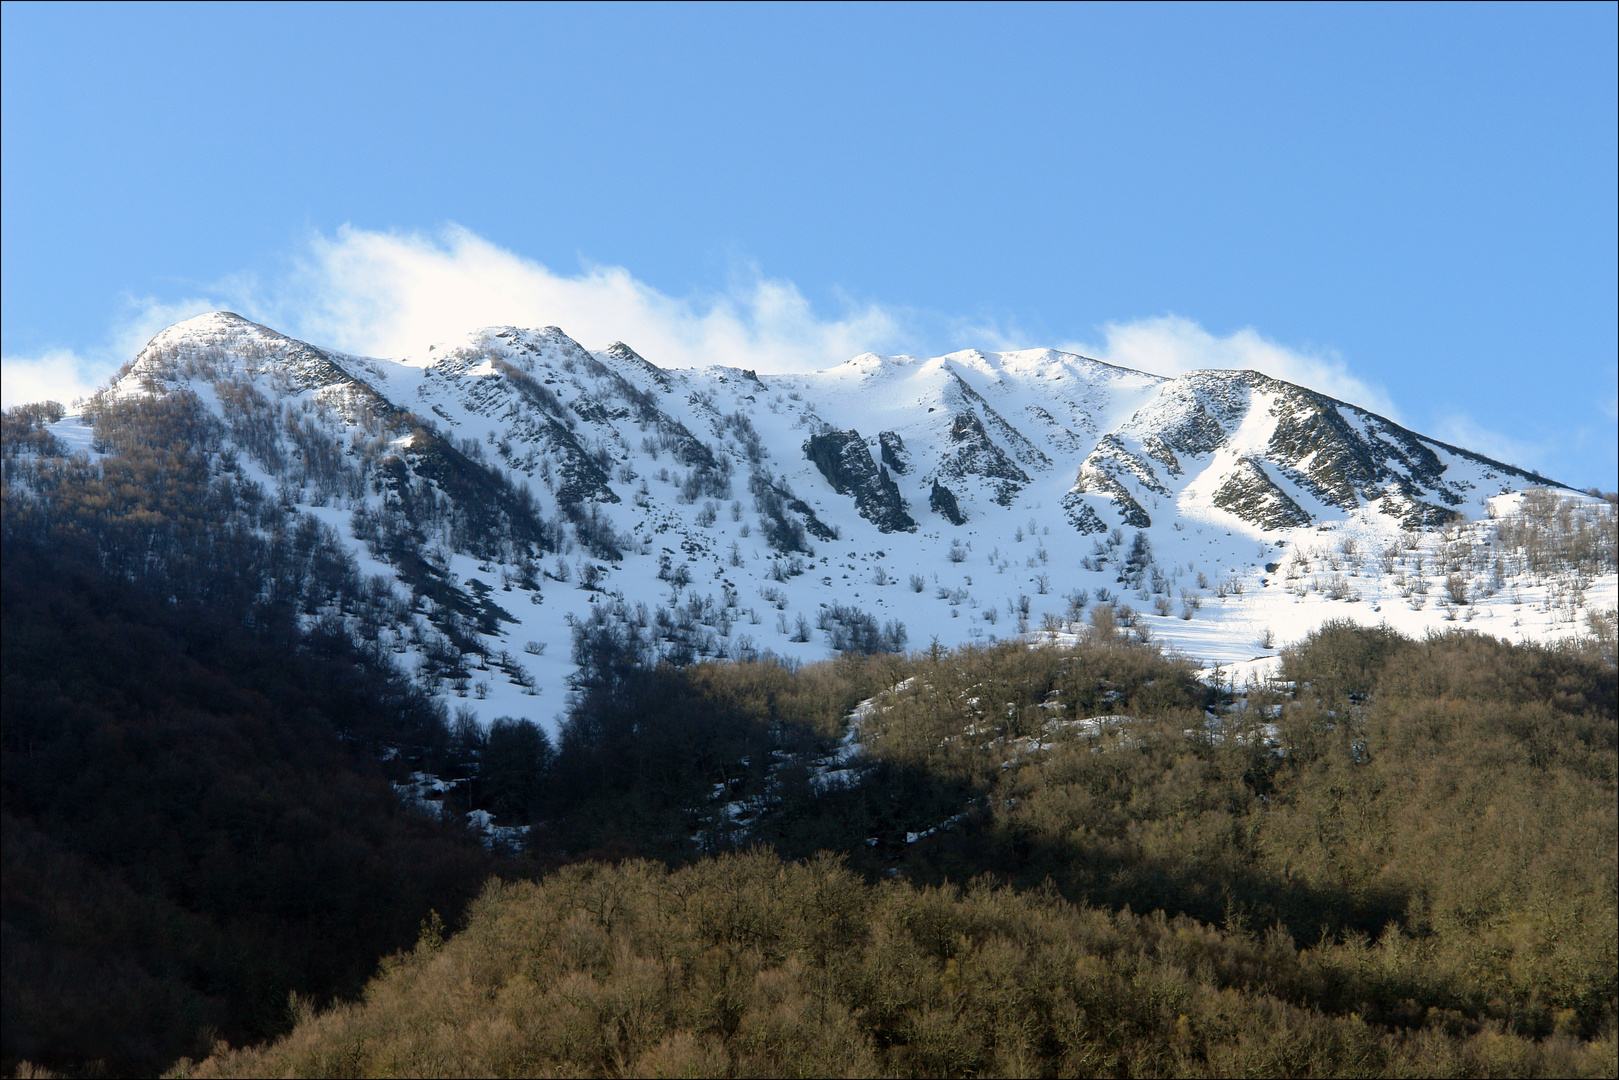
1413	207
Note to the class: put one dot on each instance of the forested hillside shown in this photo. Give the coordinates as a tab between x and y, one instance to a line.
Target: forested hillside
1401	862
196	822
464	509
197	819
228	815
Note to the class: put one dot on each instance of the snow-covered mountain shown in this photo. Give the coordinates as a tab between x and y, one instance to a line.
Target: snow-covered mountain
515	490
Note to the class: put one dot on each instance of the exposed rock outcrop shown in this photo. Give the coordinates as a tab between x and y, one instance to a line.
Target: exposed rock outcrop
847	464
895	456
973	453
1108	470
941	500
1250	493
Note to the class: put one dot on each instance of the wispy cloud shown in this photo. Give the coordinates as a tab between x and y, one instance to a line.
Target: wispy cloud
1462	430
65	374
394	294
58	375
1173	345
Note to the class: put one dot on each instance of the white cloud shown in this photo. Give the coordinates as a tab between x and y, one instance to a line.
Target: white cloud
1173	345
1460	429
59	375
65	374
393	294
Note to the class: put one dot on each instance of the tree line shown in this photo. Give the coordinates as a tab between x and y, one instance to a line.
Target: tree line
1398	857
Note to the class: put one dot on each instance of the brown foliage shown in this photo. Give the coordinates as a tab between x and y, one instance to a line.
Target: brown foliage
747	966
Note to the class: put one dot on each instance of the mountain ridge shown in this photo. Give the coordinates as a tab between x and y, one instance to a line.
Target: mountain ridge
678	507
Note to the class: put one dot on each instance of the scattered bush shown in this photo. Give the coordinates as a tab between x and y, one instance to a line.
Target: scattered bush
851	630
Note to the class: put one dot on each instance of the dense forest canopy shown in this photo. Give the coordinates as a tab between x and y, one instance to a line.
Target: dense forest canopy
1401	861
1399	857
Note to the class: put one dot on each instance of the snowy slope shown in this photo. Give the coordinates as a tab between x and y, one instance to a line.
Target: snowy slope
513	485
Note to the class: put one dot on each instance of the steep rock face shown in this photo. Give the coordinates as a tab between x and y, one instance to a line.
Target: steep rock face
626	361
1249	493
538	419
1272	454
941	500
1416	513
511	480
1112	470
1082	515
974	454
1191	417
846	463
960	393
895	456
1347	456
1322	450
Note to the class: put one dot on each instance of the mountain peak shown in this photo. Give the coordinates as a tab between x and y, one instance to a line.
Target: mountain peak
210	324
517	487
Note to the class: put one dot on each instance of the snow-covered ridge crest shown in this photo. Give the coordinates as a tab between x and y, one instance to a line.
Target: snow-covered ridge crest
519	490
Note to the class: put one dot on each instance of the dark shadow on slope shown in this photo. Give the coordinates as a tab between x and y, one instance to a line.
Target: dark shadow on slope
1278	824
197	822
